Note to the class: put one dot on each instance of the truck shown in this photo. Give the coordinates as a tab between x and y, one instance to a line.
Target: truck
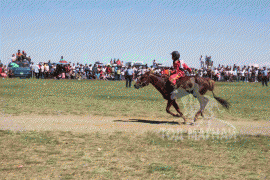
135	63
19	69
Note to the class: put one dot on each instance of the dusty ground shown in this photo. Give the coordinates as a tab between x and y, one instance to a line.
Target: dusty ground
88	124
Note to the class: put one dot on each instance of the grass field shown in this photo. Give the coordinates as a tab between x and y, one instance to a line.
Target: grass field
127	154
111	98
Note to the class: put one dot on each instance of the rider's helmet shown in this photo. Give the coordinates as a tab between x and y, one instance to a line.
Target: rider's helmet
175	55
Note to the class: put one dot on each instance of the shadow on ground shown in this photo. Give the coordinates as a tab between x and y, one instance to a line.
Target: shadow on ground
147	121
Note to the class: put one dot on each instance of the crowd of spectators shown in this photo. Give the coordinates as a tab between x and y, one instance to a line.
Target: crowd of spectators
116	70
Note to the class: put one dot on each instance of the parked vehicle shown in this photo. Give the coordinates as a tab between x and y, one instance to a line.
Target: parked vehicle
20	69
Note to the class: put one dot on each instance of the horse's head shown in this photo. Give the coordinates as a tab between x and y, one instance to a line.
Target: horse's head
142	81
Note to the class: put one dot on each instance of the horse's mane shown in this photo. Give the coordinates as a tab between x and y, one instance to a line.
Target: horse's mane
164	76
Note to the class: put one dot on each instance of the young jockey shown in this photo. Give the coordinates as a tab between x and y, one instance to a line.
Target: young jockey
179	67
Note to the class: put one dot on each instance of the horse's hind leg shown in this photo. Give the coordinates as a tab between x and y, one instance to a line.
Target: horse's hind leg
175	105
202	100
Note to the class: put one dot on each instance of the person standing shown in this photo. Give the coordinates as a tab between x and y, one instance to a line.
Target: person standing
50	64
95	71
242	73
265	76
41	71
129	76
46	71
201	62
118	73
118	62
37	69
19	56
206	61
13	58
154	64
256	74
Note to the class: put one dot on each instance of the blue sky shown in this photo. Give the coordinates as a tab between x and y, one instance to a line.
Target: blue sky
88	31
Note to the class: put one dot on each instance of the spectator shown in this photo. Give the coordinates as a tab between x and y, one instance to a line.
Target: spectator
83	75
19	56
234	74
90	68
64	71
67	71
82	69
252	74
49	64
215	74
95	71
73	74
41	71
129	76
52	70
46	71
37	70
73	66
118	73
243	71
123	73
256	74
265	76
32	69
118	62
206	61
3	70
154	64
13	58
2	74
248	74
201	62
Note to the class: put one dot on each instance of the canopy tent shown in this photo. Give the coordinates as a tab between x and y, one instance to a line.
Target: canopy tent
15	65
254	65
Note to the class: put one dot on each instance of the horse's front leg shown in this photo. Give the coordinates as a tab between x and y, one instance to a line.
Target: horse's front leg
175	105
169	104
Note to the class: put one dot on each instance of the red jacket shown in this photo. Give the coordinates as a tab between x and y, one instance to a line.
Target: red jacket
109	70
177	65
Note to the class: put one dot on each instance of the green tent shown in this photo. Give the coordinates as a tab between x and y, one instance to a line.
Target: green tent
14	65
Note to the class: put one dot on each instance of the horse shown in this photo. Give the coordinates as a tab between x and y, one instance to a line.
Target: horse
195	85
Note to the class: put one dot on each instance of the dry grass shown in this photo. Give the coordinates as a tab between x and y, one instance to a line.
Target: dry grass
127	155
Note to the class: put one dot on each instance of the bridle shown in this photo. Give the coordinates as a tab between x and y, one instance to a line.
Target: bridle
142	84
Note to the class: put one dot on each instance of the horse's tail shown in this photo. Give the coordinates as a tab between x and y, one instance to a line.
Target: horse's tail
223	102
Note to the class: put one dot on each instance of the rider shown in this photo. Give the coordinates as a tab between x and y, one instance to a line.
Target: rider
178	68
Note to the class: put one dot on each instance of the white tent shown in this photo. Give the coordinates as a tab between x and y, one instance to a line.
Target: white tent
254	65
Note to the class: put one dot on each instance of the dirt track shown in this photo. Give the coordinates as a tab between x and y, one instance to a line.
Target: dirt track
137	125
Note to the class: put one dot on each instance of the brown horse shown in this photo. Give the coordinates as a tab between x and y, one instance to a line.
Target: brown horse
197	86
